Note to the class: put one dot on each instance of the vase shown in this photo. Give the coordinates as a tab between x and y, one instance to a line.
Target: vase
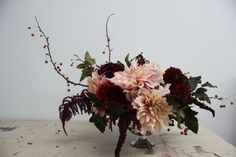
144	143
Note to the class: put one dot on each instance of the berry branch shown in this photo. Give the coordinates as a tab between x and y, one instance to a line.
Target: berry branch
51	59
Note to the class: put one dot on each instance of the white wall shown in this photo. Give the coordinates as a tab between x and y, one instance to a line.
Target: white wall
197	36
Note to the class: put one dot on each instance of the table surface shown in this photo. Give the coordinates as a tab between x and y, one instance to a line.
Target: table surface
46	139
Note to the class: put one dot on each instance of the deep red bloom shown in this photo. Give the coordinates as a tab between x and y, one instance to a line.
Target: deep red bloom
109	93
110	68
183	91
173	75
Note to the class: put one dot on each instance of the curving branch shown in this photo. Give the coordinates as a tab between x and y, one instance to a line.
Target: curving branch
108	38
51	59
203	106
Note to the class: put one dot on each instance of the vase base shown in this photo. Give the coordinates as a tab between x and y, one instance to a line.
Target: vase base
144	143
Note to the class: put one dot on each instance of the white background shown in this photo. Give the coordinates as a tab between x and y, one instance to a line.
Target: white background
197	36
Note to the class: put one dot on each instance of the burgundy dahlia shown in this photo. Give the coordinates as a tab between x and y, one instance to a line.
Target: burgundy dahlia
183	91
110	93
173	75
110	68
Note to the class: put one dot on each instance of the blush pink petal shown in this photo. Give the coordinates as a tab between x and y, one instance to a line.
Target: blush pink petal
153	110
138	77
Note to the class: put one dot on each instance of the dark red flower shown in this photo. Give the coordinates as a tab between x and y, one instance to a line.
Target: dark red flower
110	68
109	93
183	91
173	75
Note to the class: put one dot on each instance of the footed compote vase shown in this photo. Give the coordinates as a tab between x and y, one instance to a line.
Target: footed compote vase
143	142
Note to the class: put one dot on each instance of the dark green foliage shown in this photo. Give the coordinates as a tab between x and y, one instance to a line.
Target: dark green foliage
190	121
194	81
127	61
200	94
99	122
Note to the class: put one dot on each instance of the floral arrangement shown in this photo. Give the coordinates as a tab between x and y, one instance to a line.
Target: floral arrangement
135	95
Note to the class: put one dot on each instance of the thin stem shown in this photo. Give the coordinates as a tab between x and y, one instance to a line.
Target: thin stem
51	59
108	39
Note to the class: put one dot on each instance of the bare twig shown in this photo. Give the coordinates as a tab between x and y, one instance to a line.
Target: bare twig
51	59
78	58
108	38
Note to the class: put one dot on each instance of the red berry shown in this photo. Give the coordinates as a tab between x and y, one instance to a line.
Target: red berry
46	62
186	131
60	64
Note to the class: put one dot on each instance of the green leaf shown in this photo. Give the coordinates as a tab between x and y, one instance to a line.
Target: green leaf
208	84
81	66
127	61
190	121
116	110
173	100
87	56
83	76
189	111
180	113
86	72
179	117
201	90
207	99
194	81
88	60
92	61
200	93
99	122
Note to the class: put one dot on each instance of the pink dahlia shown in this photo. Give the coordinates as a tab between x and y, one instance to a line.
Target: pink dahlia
138	77
152	109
